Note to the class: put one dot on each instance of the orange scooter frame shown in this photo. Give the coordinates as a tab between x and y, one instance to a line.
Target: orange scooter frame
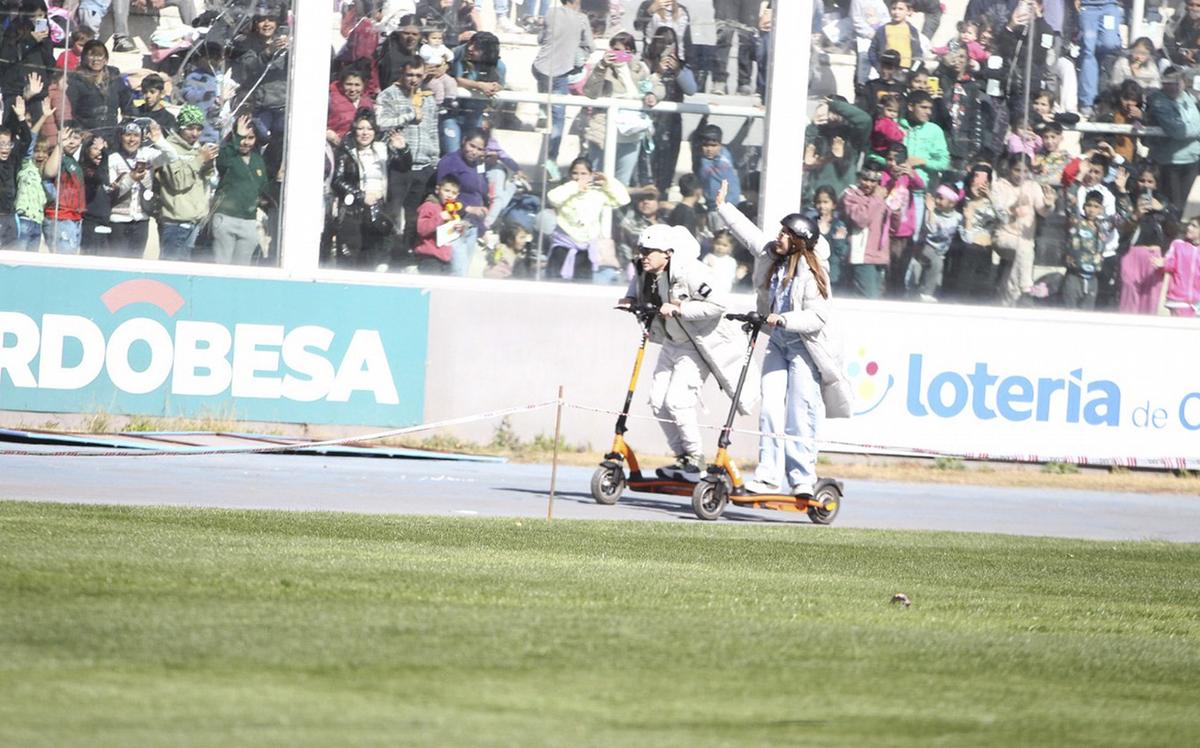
610	479
723	484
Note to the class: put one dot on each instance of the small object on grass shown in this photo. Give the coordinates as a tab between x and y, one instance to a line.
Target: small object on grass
901	598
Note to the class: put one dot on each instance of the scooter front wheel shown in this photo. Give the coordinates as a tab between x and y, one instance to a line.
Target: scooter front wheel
608	483
829	500
709	498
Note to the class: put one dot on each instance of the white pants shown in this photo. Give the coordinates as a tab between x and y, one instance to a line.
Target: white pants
674	393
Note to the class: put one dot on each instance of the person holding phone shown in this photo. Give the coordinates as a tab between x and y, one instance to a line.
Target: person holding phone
131	186
618	74
181	185
24	49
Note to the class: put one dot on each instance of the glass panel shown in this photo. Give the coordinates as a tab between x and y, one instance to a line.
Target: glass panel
155	138
1014	164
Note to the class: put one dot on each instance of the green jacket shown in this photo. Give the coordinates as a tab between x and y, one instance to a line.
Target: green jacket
241	183
183	182
927	142
31	192
837	173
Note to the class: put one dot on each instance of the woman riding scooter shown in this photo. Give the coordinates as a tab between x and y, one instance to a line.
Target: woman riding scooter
696	339
802	379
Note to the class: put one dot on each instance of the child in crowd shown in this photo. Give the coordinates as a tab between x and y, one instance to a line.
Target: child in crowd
721	260
153	105
968	38
833	229
868	222
580	203
1182	263
688	212
1089	235
974	276
886	131
897	34
436	211
445	92
1051	158
715	165
434	48
1023	139
505	257
69	58
903	184
942	222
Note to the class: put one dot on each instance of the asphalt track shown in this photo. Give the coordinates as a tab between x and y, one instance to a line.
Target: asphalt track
468	489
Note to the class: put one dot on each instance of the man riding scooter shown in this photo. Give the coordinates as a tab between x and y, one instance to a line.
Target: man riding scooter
696	339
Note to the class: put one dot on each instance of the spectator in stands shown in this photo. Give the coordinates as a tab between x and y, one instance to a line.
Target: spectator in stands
689	211
1182	41
1022	201
722	262
439	209
580	203
563	45
1010	46
504	175
478	68
866	16
644	210
713	164
928	153
835	140
24	49
243	179
64	182
1123	105
621	75
131	168
205	86
1138	65
833	228
889	83
153	105
94	165
1182	264
405	106
868	222
401	46
905	188
260	66
942	224
886	130
97	91
182	184
70	57
973	274
667	70
964	111
460	18
741	16
1090	233
30	202
654	15
433	46
347	96
1178	150
897	34
467	166
1100	34
360	184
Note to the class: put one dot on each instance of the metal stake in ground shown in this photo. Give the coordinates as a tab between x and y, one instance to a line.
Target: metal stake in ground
554	460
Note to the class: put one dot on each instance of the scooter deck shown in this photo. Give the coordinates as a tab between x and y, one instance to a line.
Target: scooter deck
659	485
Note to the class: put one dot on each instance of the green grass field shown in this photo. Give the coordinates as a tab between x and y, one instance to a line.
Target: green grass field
130	626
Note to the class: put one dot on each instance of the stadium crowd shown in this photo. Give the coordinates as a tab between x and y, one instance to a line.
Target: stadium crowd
958	170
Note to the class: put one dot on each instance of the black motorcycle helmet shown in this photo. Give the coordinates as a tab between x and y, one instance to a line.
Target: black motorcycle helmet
803	228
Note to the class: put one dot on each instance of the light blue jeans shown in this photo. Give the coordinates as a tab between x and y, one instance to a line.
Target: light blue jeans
792	405
627	159
462	251
1097	40
502	189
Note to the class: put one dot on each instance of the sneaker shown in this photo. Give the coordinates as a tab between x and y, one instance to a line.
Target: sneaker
745	91
507	26
553	173
802	493
930	299
720	88
123	44
757	486
682	469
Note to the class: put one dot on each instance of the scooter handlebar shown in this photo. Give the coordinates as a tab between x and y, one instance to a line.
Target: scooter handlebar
643	312
752	320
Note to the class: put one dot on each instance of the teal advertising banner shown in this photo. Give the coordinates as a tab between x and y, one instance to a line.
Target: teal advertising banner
83	341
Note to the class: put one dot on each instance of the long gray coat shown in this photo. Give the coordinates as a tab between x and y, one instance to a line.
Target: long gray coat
810	315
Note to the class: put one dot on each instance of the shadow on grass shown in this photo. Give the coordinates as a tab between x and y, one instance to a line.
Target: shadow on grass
677	506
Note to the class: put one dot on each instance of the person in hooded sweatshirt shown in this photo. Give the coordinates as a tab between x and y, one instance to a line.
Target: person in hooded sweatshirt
802	380
696	339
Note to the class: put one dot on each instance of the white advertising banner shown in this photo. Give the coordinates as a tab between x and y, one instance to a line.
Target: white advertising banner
1045	385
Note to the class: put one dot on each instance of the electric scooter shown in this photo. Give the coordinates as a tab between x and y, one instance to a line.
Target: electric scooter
610	479
723	482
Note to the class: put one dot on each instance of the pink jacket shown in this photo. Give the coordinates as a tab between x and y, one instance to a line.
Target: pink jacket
870	214
342	111
884	133
1140	280
901	203
1183	263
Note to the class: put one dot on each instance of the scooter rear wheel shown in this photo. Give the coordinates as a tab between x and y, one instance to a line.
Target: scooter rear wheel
608	483
830	500
709	498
